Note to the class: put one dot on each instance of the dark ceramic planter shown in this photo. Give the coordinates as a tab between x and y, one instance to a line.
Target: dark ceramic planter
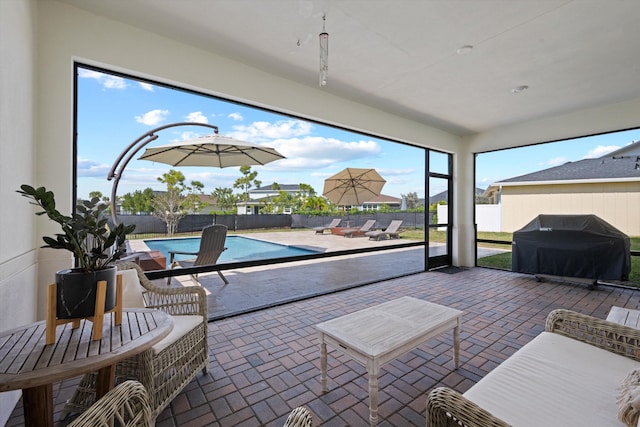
76	292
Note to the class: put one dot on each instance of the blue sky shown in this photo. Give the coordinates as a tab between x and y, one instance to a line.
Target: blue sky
113	112
495	166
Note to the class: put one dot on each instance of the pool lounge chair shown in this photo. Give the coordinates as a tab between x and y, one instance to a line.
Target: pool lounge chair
334	223
354	232
391	232
211	247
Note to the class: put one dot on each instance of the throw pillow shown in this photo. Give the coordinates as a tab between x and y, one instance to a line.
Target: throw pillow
131	289
629	399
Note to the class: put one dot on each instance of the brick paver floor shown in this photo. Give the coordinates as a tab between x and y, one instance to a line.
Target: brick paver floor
265	363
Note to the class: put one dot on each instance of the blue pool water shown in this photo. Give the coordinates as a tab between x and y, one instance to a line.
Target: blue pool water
238	249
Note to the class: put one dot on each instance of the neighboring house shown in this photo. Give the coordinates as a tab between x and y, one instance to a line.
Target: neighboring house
261	196
608	187
632	149
444	196
377	203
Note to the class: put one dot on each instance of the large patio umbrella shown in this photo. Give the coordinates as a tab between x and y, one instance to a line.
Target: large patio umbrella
353	186
211	150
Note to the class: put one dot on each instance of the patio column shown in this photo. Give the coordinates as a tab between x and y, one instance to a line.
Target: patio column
463	239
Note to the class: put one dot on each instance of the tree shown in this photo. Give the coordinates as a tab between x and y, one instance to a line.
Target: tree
225	199
315	203
173	205
138	202
246	181
98	194
411	200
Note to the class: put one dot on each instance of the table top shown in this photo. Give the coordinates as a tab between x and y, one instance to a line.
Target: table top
624	316
381	328
26	361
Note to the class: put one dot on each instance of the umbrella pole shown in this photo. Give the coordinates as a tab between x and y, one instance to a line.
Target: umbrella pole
126	155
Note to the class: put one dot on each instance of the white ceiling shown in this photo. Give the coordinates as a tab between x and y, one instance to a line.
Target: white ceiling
401	56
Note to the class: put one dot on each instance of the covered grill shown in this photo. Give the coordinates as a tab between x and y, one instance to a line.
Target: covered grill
577	246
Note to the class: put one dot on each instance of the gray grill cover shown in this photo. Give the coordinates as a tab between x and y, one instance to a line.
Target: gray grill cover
581	246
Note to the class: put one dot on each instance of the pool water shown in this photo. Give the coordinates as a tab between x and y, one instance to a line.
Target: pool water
239	248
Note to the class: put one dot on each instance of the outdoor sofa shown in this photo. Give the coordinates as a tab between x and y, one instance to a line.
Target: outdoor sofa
572	374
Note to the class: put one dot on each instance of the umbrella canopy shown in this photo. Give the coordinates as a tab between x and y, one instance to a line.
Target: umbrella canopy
353	186
211	150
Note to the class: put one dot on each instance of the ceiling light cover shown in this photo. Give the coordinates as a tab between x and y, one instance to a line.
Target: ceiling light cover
324	54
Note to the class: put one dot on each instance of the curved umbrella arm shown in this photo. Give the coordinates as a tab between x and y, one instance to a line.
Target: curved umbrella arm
127	154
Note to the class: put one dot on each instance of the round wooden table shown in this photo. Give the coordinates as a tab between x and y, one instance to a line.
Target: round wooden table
27	363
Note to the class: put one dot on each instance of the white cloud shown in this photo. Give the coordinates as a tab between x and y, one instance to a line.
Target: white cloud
146	86
265	131
196	117
315	152
396	172
235	116
600	151
107	81
152	117
90	168
556	161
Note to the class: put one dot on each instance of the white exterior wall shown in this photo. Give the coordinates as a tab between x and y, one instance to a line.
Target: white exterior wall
18	247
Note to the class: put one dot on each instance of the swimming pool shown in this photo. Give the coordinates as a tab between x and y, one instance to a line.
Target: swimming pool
239	248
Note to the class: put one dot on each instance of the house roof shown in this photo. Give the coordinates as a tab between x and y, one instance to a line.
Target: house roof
283	187
384	199
444	196
632	149
600	169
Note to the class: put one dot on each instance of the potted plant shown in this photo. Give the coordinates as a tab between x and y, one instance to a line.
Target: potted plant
95	246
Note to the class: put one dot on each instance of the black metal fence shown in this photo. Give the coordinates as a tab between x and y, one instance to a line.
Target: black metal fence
150	224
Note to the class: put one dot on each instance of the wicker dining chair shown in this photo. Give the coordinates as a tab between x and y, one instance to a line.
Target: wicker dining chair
127	405
168	366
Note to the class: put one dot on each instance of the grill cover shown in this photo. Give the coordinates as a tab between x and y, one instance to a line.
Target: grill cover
581	246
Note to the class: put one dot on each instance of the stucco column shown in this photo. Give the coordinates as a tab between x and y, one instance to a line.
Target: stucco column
463	238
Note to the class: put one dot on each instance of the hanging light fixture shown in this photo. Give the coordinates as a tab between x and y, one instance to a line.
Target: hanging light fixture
324	53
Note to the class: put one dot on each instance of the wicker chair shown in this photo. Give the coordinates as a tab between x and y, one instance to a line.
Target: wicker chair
127	405
171	364
299	417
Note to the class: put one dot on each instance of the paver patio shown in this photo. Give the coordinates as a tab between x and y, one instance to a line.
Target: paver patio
266	362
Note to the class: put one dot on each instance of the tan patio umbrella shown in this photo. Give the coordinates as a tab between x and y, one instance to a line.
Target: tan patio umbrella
353	186
211	150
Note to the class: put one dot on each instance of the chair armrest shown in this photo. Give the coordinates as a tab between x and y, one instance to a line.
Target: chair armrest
448	408
187	300
616	338
172	255
127	405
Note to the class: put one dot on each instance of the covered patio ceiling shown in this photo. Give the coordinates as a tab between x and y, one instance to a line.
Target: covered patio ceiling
451	64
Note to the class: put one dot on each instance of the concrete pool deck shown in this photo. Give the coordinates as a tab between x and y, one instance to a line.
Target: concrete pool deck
254	288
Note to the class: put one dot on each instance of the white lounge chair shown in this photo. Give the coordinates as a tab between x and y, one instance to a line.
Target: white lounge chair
391	232
334	223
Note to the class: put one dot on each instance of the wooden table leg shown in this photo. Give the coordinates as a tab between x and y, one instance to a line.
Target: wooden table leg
105	380
38	406
373	371
456	344
323	363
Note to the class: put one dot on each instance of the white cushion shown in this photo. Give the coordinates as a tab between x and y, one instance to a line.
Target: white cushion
181	325
131	289
555	381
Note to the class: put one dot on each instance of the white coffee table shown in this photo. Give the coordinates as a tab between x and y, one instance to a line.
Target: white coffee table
379	334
